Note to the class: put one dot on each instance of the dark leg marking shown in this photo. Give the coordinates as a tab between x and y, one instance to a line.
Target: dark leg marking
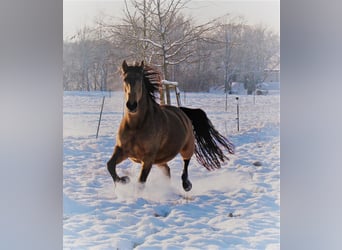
186	183
145	170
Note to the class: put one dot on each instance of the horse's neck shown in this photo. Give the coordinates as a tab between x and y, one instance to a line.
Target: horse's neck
144	112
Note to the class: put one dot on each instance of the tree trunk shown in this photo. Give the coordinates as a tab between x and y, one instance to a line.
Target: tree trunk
166	77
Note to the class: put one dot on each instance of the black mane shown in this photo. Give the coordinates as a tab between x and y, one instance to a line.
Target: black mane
152	81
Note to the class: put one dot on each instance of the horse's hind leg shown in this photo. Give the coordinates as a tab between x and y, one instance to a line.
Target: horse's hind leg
166	169
116	158
186	183
145	170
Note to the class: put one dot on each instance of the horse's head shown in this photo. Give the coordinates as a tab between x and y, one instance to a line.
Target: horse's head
133	84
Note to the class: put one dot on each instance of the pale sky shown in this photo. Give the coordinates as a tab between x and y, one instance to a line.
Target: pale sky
77	13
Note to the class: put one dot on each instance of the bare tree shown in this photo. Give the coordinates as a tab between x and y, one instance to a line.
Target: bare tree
260	51
198	56
83	54
160	32
229	38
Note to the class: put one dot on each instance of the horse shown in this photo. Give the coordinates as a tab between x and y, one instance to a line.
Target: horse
153	134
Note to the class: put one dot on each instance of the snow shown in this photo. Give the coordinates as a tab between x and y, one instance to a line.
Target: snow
166	82
236	207
239	88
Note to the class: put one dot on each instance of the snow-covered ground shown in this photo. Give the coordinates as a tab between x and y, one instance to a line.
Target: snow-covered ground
236	207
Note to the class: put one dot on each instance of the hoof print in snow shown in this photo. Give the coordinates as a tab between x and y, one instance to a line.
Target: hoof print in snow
233	215
159	215
257	163
161	211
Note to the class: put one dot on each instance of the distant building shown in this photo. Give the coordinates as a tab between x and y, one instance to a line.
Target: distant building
238	88
268	75
271	75
266	82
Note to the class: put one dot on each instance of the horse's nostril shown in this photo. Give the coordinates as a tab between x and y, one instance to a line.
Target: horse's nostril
131	106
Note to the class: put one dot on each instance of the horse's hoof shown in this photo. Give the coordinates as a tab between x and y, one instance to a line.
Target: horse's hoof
187	185
124	179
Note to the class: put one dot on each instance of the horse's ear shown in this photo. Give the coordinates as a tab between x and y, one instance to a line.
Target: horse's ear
142	64
124	66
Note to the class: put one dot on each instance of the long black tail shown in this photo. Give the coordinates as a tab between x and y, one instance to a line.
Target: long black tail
208	139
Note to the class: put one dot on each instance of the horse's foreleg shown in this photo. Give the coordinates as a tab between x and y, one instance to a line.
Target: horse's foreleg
186	183
117	157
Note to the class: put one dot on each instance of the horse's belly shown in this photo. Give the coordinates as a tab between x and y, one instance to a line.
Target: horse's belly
166	154
174	143
165	159
135	160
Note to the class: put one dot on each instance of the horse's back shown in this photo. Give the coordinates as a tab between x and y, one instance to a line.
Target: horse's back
175	116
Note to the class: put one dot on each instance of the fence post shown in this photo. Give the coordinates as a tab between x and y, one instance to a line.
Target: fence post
237	113
226	101
98	126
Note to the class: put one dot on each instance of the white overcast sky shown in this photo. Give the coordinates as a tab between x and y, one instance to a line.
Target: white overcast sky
77	13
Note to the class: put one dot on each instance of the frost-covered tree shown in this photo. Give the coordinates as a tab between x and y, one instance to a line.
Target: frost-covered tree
87	61
159	32
260	52
228	36
197	56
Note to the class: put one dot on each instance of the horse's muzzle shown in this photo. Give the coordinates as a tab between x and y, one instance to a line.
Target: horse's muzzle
132	107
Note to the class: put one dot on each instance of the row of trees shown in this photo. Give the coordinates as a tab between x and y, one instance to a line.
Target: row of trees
198	56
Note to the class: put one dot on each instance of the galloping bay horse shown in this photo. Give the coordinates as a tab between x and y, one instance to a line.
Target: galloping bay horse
150	133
